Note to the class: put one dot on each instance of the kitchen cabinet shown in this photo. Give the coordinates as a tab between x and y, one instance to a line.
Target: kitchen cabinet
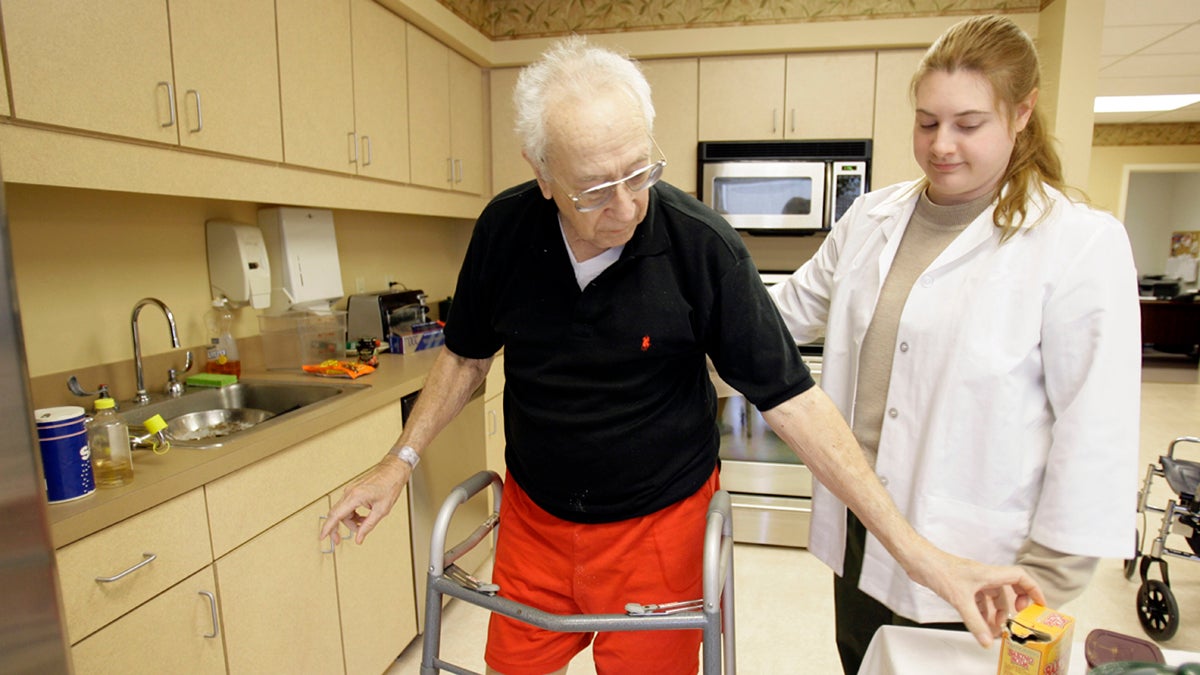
375	592
493	422
509	167
107	574
5	109
316	84
205	77
380	91
279	599
891	152
674	89
800	96
445	116
178	631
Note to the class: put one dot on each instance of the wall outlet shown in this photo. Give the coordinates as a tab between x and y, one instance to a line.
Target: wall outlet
388	280
360	285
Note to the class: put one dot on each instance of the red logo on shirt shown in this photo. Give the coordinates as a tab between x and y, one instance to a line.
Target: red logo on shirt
645	342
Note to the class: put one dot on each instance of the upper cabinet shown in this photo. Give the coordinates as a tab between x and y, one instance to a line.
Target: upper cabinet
801	96
205	78
227	76
380	91
509	168
445	116
891	153
673	88
102	66
316	84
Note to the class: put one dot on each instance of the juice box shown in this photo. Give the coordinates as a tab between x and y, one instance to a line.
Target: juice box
1037	641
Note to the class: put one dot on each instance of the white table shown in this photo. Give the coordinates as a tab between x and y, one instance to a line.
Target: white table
898	650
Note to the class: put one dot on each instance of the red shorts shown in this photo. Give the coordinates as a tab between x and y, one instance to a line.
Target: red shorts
570	568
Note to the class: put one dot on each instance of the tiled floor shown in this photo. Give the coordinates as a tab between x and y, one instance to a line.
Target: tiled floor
784	601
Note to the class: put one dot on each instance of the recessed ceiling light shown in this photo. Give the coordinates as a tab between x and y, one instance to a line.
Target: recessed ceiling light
1119	104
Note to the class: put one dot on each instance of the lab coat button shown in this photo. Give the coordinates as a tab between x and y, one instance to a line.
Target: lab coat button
892	412
883	481
903	346
927	281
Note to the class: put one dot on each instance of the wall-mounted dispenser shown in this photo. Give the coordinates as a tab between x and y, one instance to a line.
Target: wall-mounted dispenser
305	273
238	266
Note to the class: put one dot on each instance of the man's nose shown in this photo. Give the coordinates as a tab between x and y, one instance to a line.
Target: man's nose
623	204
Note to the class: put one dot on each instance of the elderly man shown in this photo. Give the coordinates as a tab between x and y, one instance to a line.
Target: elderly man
607	289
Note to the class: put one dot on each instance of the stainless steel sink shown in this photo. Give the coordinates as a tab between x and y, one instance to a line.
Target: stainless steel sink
208	418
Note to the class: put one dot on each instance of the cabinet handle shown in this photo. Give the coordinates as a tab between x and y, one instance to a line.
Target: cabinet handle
450	169
170	103
458	171
199	113
353	142
492	419
149	558
321	521
774	120
212	605
367	150
793	120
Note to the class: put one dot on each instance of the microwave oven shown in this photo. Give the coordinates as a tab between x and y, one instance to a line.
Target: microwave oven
783	187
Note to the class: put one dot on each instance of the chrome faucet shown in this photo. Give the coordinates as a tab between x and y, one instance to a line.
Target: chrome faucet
142	396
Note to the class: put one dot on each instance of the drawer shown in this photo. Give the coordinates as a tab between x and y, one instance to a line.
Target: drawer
248	501
172	536
766	478
777	521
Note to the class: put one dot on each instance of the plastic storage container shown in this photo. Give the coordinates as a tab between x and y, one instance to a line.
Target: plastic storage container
222	354
294	339
108	441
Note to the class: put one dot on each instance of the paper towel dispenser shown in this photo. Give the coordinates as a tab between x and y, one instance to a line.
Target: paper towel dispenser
305	273
238	265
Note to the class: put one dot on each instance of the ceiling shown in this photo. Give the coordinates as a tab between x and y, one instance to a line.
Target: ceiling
1150	47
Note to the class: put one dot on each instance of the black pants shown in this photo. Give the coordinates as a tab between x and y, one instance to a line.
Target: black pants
858	615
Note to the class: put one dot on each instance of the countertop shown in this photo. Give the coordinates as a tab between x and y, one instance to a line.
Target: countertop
159	478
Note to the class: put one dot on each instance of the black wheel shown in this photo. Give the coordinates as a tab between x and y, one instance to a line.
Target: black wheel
1157	610
1131	563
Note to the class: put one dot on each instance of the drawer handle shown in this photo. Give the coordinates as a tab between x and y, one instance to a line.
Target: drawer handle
149	558
212	604
321	520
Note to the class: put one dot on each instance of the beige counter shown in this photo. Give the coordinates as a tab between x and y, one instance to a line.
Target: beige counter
158	478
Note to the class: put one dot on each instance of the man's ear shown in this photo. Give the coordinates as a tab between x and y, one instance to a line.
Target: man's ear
543	181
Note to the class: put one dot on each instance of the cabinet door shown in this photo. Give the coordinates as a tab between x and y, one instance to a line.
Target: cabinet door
316	84
466	124
673	86
493	427
509	168
429	110
227	76
380	91
102	65
830	95
279	600
891	152
375	593
176	632
741	98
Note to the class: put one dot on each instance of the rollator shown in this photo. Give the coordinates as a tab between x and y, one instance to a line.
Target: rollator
713	613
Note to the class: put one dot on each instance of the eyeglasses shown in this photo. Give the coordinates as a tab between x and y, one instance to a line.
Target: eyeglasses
597	196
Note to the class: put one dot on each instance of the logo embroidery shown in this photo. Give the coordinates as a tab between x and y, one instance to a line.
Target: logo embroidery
645	342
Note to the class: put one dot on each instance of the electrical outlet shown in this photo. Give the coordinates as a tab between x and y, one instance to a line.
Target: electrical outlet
388	280
360	285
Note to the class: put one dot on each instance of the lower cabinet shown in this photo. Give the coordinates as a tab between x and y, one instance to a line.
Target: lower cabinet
279	599
176	632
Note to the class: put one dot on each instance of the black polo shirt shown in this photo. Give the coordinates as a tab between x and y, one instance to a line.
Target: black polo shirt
608	408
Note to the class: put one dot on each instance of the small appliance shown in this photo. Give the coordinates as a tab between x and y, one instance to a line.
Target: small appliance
377	315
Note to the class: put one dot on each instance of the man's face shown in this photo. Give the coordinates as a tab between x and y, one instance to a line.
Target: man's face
593	142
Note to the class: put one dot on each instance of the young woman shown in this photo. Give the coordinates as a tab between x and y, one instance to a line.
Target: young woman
982	338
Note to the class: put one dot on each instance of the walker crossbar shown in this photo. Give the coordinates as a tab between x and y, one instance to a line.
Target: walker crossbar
714	614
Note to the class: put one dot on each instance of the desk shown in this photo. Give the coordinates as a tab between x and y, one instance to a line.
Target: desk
899	650
1171	326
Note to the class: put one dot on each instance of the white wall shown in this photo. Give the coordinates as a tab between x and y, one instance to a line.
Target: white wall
1149	219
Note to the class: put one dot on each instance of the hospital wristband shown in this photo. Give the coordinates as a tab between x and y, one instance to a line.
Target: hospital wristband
406	454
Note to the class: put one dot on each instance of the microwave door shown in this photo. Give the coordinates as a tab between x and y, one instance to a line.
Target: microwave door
768	195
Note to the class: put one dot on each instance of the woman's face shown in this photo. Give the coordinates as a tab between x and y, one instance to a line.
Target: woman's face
961	138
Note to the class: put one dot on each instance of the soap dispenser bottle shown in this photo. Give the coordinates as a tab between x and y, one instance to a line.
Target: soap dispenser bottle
108	441
222	353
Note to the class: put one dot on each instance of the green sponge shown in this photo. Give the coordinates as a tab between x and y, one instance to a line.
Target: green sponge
210	380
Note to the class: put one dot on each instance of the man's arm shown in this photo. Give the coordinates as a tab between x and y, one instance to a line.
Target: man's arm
447	389
984	595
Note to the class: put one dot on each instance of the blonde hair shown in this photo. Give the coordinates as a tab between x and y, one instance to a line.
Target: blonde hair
997	49
572	70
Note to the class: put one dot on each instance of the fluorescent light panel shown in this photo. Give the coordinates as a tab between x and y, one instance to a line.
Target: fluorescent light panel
1120	104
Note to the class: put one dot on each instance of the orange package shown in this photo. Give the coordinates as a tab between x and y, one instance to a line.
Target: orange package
335	368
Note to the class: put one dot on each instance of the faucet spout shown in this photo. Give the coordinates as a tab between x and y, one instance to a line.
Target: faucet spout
142	396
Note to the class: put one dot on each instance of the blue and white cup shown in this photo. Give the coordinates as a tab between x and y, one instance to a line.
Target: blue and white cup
59	421
67	466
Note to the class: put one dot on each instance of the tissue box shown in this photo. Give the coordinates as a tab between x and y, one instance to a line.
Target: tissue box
294	339
408	343
1037	642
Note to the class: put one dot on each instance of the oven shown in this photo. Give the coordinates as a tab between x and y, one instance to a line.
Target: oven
769	487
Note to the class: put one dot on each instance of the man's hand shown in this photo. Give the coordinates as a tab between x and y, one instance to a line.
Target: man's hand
984	595
376	491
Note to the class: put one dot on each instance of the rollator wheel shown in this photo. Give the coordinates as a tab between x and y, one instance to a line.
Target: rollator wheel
1157	610
1131	563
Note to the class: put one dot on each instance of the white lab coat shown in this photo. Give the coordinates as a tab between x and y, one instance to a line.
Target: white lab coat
1012	410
